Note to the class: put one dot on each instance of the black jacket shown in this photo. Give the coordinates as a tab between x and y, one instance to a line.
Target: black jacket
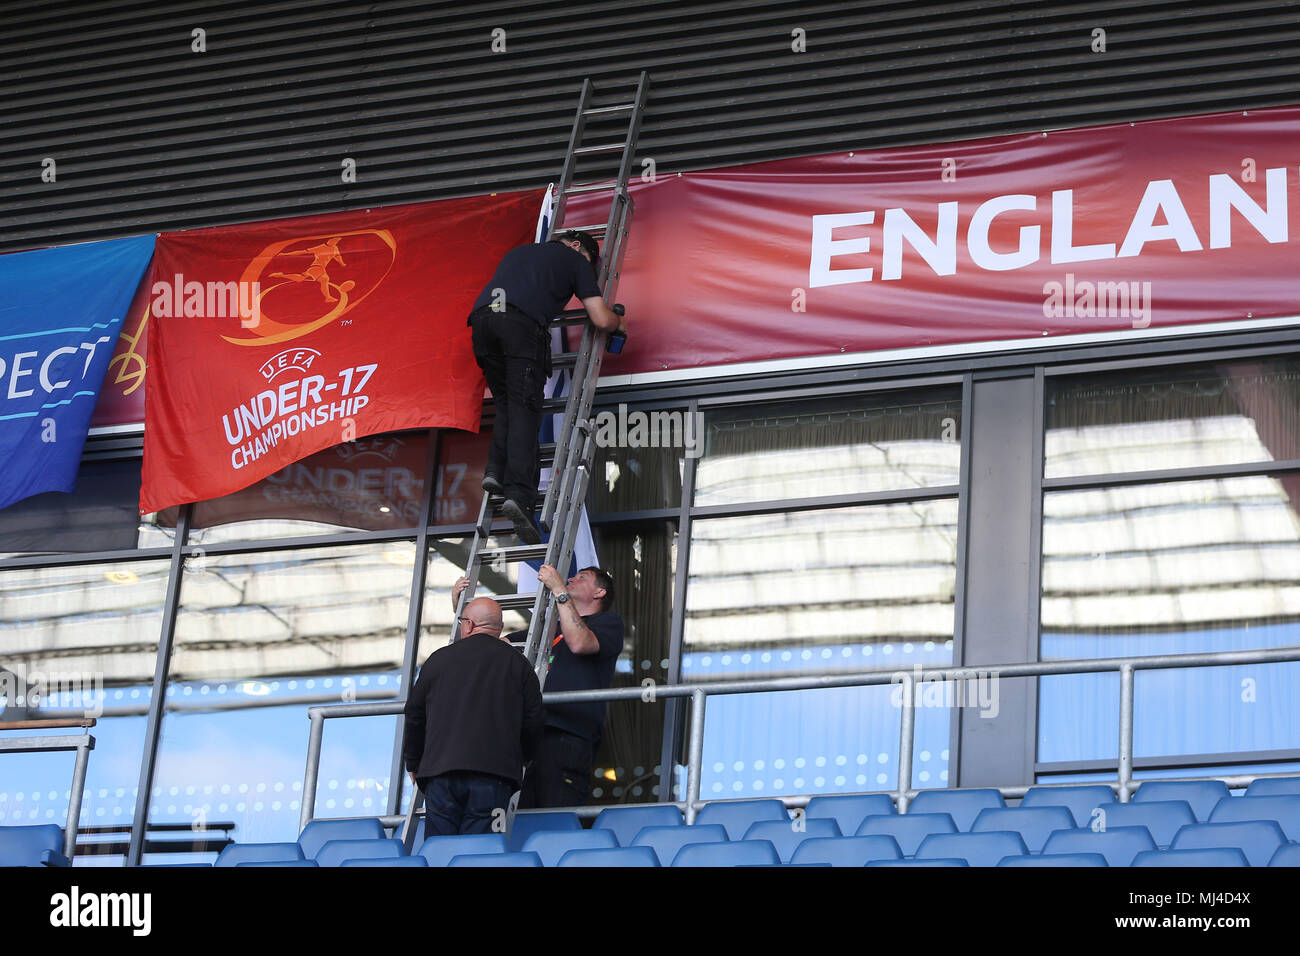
476	707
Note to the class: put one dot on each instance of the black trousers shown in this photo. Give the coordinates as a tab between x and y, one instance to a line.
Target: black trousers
560	774
514	352
464	802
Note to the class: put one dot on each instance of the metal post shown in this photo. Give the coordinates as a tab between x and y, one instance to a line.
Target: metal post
312	773
1125	730
695	759
74	798
906	733
158	700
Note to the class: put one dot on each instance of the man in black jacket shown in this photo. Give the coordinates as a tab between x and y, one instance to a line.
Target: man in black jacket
512	344
473	718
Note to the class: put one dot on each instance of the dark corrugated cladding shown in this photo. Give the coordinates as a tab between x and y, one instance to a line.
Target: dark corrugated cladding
148	135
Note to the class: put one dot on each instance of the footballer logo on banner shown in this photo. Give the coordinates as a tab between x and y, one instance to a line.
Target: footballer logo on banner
269	342
62	313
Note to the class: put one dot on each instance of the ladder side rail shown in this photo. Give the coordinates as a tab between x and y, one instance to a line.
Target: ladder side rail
570	156
570	535
563	446
482	531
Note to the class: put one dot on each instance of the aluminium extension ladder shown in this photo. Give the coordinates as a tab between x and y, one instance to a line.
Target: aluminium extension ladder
574	449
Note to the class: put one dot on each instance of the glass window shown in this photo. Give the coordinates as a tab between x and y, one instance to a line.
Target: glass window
640	458
102	514
814	592
372	484
1173	417
79	642
1171	568
259	638
643	562
831	446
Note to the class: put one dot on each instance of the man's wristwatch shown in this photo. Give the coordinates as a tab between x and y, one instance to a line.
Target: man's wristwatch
562	597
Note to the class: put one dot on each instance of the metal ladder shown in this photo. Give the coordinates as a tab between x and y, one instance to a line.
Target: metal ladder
572	453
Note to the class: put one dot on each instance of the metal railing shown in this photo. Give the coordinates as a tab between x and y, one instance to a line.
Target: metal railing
83	744
1124	785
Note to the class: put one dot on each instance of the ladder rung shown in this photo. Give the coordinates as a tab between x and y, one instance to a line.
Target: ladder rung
564	359
523	552
590	188
515	602
554	404
602	148
593	230
569	318
546	452
596	111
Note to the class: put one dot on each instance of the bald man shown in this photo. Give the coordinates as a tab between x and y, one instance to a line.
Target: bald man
473	718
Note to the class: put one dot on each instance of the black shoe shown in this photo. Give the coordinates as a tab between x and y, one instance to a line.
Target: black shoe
523	523
492	485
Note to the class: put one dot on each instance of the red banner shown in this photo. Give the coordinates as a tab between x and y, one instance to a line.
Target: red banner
1105	229
271	341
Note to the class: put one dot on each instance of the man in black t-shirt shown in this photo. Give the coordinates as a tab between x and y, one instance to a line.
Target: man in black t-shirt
583	656
512	345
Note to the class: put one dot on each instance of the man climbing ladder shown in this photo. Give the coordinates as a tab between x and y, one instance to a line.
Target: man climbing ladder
512	344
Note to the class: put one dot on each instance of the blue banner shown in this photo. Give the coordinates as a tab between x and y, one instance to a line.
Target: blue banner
61	312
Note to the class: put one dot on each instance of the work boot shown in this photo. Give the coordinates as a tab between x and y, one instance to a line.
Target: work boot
492	485
522	521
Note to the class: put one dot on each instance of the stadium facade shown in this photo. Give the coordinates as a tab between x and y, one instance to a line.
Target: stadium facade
1108	495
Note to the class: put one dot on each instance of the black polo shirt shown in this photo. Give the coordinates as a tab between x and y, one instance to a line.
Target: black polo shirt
539	280
570	671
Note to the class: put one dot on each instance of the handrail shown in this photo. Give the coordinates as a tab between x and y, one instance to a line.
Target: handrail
907	679
83	744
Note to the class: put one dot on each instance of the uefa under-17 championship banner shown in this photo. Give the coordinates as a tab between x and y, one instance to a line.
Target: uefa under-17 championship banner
60	314
270	341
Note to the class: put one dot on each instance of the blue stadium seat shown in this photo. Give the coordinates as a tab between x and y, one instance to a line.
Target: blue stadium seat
237	853
311	863
626	822
949	861
1283	809
962	805
909	829
977	849
336	851
497	859
741	853
1034	824
850	810
37	845
1259	840
1201	795
782	834
667	841
1081	800
847	851
1273	786
1220	856
1288	855
739	816
1162	818
147	866
550	845
618	856
403	861
319	832
1117	844
1055	859
441	850
526	824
